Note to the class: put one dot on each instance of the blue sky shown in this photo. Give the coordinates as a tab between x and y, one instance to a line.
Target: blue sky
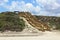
37	7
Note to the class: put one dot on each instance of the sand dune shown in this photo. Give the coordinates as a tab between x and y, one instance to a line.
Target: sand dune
54	35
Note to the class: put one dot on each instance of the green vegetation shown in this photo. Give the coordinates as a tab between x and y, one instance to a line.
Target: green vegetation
54	24
10	21
53	21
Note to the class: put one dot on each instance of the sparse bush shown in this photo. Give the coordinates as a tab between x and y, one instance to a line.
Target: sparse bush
10	21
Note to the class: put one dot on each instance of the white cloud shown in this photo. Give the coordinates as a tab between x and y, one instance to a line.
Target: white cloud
2	2
22	6
55	6
13	5
49	7
5	0
51	3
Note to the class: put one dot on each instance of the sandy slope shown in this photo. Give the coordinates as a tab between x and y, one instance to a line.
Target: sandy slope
28	31
53	35
46	36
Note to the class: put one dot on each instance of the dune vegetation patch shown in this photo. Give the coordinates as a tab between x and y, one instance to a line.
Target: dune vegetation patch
10	21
